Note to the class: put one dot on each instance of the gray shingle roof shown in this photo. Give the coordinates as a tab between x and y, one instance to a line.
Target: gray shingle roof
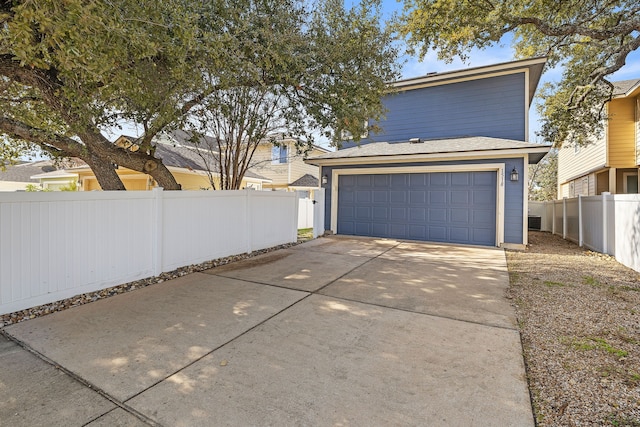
24	171
188	158
434	146
306	180
623	86
184	155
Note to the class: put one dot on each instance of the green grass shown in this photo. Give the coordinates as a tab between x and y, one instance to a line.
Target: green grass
305	233
591	281
595	343
551	284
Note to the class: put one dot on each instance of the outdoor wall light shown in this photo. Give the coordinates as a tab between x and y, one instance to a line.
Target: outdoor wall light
325	179
514	175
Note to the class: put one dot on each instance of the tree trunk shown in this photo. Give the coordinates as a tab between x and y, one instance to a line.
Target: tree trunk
106	175
104	155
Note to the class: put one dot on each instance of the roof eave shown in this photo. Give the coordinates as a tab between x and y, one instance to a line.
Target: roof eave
406	158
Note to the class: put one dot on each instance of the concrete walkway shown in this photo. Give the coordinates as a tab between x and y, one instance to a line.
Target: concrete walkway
337	331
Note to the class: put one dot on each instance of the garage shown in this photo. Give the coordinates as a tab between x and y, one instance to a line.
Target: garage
467	190
454	207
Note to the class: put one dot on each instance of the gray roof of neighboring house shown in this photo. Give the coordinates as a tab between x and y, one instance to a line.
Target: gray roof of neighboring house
185	156
431	147
623	87
24	171
307	180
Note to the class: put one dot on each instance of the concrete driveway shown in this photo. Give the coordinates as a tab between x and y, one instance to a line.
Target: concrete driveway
337	331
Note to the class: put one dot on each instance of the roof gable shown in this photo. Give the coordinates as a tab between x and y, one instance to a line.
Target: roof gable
533	67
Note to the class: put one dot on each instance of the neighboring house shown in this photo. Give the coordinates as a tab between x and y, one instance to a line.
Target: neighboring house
611	162
451	165
180	157
43	174
285	166
57	180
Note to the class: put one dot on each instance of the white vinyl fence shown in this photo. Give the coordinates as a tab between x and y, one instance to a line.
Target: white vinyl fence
56	245
607	223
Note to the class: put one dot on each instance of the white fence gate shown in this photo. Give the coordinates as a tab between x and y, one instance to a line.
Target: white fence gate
607	223
56	245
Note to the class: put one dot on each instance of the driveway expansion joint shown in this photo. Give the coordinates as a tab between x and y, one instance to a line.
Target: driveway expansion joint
82	381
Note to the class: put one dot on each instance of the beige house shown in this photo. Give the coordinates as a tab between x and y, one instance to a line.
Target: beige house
180	157
612	162
285	166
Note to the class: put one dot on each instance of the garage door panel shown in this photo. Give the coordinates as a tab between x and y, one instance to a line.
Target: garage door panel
399	180
380	229
438	234
437	179
460	197
399	214
418	214
417	197
346	213
458	235
380	213
461	179
398	196
437	197
483	217
363	196
417	180
483	197
364	180
398	231
380	196
456	207
417	232
482	234
381	181
460	215
483	179
437	215
363	213
363	229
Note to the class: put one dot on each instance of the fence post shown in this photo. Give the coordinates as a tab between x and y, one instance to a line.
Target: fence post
296	214
564	217
553	217
318	212
580	239
248	208
158	227
605	233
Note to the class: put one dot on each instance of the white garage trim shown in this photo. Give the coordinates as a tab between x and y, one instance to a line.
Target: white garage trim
497	167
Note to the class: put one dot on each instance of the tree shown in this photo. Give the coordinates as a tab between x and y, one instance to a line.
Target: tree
325	71
543	178
70	70
590	39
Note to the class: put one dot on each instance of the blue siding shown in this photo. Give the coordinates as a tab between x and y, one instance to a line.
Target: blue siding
514	192
492	107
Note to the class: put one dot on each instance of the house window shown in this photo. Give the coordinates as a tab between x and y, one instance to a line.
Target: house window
279	155
630	183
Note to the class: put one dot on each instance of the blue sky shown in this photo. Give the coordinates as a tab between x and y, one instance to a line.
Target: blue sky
503	52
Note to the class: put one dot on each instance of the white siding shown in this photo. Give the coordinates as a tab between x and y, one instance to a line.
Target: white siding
574	162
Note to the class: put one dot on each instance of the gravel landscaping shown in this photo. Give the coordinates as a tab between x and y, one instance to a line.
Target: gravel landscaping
41	310
579	317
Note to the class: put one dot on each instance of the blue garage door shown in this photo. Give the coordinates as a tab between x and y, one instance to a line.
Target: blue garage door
455	207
